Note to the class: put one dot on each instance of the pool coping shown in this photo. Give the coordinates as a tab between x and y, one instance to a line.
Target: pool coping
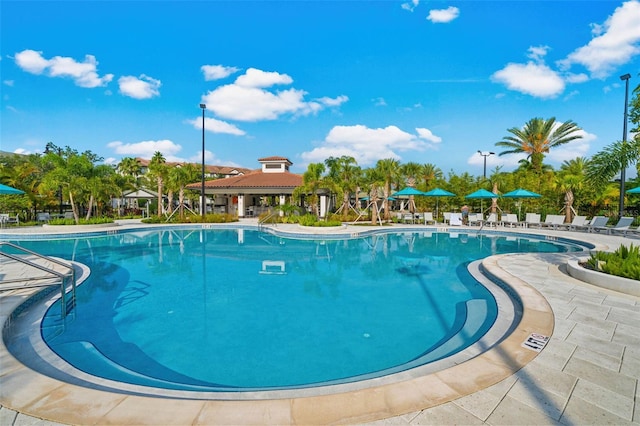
54	400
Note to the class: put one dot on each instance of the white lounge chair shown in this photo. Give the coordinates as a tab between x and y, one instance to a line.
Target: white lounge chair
427	217
475	218
577	221
447	216
492	220
509	219
455	219
553	221
531	219
408	218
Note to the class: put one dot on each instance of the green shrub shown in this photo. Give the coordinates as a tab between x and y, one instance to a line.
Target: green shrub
624	262
90	221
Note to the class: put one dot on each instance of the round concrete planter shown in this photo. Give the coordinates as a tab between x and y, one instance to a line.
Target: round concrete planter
600	279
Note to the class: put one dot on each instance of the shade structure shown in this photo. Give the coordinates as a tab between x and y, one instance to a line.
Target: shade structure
438	192
521	193
634	191
481	194
7	190
406	192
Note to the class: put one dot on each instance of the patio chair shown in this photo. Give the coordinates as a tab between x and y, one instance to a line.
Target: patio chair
408	218
577	221
428	218
509	219
492	220
43	217
553	221
598	222
6	219
475	218
455	219
623	225
447	217
531	219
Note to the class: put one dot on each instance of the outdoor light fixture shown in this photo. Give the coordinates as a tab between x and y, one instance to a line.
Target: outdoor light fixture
485	155
203	205
625	78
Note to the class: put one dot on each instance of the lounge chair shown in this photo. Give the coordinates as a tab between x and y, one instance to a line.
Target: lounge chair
455	219
427	217
6	219
577	221
408	218
622	226
476	218
553	221
492	220
447	216
531	219
596	222
509	219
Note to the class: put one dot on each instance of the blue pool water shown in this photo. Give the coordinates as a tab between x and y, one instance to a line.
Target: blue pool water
237	309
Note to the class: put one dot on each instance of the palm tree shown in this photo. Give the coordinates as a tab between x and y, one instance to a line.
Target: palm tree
312	182
604	165
373	179
430	173
537	137
345	172
178	178
410	172
158	170
570	179
389	169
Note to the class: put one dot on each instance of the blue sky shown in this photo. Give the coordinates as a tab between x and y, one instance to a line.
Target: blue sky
424	81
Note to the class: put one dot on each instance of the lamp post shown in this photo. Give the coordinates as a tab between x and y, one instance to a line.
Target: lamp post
485	155
625	78
203	203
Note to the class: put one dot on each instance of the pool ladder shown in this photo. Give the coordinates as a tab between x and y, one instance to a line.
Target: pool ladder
66	279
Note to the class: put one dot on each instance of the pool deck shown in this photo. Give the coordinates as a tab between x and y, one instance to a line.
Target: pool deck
588	373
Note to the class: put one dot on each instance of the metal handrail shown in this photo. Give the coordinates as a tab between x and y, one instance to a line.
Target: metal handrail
63	282
264	220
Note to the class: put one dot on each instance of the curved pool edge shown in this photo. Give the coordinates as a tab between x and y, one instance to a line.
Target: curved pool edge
58	401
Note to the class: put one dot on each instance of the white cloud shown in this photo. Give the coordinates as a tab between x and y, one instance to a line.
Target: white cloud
216	126
576	78
443	16
537	53
8	83
365	144
83	73
146	149
217	72
614	43
410	5
427	135
258	78
247	99
533	79
143	87
379	102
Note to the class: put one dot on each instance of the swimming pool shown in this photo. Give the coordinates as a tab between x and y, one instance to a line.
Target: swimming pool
242	310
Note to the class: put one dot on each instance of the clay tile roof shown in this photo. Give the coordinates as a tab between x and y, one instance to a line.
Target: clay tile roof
254	180
274	158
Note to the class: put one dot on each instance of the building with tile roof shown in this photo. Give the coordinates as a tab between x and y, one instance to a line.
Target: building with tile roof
252	193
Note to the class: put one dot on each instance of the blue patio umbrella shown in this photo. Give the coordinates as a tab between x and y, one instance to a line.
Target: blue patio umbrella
408	192
7	190
438	192
634	191
521	193
481	194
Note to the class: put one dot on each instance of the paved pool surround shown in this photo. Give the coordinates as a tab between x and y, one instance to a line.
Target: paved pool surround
587	373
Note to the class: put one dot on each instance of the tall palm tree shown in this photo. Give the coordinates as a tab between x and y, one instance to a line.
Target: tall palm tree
158	171
605	164
570	179
178	178
430	174
389	169
344	171
312	182
537	137
373	179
